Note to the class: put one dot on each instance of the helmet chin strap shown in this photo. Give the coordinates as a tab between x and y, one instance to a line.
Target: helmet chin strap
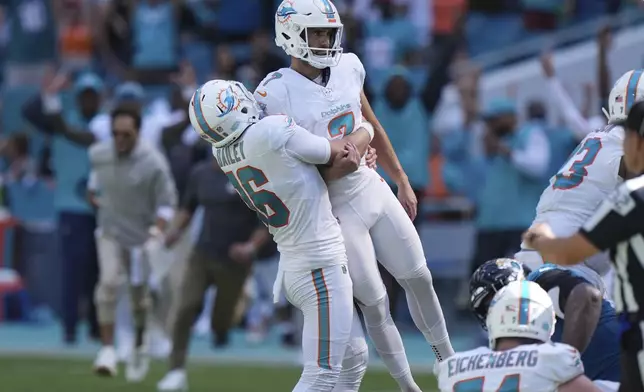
606	113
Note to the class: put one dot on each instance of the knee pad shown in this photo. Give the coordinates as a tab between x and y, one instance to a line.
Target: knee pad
421	272
376	313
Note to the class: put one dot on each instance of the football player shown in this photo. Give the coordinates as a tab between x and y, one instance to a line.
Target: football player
586	321
593	171
520	356
271	163
322	91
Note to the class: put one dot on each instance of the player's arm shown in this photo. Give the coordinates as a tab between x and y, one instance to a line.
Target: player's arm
360	138
313	149
582	309
575	299
579	384
339	168
618	218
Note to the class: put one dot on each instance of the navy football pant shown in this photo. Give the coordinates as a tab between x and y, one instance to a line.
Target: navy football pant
80	268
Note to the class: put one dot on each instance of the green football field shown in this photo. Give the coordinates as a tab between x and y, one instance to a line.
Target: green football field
33	374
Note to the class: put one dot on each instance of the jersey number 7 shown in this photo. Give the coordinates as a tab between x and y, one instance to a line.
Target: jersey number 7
509	384
574	171
271	210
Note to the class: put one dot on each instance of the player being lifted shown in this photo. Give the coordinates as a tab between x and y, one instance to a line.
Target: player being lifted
521	356
592	172
584	320
270	162
323	91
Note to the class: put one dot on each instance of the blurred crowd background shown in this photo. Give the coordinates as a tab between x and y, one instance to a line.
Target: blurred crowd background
466	89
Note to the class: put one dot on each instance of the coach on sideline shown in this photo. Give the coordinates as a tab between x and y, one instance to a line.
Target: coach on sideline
137	198
617	226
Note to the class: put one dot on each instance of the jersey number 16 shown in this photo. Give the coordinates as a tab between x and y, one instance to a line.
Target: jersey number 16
271	210
572	174
509	384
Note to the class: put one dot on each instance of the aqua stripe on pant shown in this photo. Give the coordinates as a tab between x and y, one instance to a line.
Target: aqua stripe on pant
322	293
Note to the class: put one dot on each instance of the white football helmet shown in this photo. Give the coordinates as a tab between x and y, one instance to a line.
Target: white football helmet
522	309
628	89
293	20
221	110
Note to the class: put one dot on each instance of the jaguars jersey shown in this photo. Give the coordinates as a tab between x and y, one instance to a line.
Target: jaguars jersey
289	195
601	357
585	180
331	111
533	367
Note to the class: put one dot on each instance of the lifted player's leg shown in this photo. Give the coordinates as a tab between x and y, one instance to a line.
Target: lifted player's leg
400	251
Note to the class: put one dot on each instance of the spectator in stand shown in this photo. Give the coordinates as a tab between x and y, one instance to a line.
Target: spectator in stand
400	105
461	138
114	36
517	159
76	221
231	28
225	64
264	59
21	166
32	46
444	22
390	38
76	21
129	94
144	37
540	16
486	19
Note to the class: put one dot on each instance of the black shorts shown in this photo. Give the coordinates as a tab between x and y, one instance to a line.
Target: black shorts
632	347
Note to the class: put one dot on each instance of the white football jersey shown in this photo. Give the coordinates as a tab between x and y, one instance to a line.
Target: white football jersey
330	111
585	180
533	367
288	194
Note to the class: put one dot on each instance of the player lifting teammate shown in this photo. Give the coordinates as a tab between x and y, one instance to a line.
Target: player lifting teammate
323	91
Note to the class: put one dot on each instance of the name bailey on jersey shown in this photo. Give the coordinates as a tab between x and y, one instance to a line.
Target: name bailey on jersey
336	110
230	154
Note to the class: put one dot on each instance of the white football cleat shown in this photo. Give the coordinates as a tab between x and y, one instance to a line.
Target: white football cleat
137	366
175	380
106	363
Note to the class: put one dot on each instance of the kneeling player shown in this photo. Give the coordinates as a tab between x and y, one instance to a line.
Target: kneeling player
586	321
521	357
270	162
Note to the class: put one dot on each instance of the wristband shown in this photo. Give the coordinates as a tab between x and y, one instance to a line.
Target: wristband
366	125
